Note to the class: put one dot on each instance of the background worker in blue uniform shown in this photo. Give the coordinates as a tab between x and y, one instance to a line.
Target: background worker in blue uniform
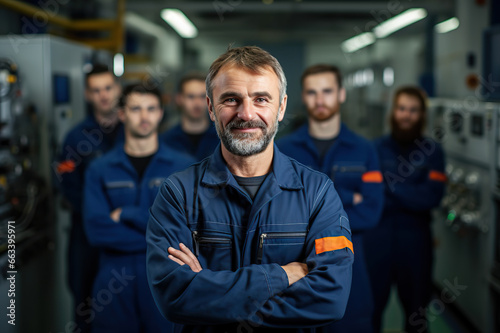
119	189
399	250
195	134
95	135
249	240
327	145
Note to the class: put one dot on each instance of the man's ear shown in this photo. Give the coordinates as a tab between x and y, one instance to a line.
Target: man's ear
303	96
119	88
121	114
282	109
178	99
87	94
342	95
210	109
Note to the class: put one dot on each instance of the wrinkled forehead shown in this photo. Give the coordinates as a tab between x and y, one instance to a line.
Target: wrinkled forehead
231	75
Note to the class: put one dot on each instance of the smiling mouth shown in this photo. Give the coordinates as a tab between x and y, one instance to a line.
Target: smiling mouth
246	129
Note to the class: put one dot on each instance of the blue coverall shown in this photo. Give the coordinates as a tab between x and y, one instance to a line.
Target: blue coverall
111	182
82	144
295	216
180	140
399	249
352	164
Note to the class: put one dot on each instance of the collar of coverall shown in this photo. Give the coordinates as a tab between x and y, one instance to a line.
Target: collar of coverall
163	153
218	174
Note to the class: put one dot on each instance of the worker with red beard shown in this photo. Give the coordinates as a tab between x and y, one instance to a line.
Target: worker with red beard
399	249
327	145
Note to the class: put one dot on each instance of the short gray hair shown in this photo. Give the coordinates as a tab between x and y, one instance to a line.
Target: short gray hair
250	57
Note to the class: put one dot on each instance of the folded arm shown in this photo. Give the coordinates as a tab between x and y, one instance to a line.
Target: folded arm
102	231
202	296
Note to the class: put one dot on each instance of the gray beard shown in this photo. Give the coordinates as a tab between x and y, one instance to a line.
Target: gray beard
243	145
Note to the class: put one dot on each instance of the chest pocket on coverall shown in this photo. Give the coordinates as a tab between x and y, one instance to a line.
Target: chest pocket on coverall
214	250
281	247
347	175
120	192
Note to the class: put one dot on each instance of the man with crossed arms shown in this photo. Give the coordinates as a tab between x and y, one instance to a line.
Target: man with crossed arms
248	239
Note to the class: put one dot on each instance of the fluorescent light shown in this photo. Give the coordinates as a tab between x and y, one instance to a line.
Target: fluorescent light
388	76
358	42
368	76
118	64
400	21
446	26
177	20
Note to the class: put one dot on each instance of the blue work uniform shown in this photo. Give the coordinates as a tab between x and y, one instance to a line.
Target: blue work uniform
85	142
180	140
122	298
296	216
399	250
352	164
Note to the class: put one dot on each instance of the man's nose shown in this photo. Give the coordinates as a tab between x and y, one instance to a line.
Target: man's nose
246	110
103	93
320	100
144	114
201	102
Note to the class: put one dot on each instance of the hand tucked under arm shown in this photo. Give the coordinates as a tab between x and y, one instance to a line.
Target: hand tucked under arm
184	256
295	271
115	214
357	198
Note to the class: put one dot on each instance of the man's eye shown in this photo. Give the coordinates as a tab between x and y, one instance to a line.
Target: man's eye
230	100
261	100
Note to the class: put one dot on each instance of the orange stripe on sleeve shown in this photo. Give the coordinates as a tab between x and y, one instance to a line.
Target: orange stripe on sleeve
332	243
372	177
437	176
66	166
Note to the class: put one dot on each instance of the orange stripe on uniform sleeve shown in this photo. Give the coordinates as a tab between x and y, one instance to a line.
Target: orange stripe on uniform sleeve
332	243
66	166
372	177
437	176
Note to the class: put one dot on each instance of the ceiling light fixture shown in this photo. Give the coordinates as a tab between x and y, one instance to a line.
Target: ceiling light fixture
118	64
358	42
179	22
447	26
400	21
